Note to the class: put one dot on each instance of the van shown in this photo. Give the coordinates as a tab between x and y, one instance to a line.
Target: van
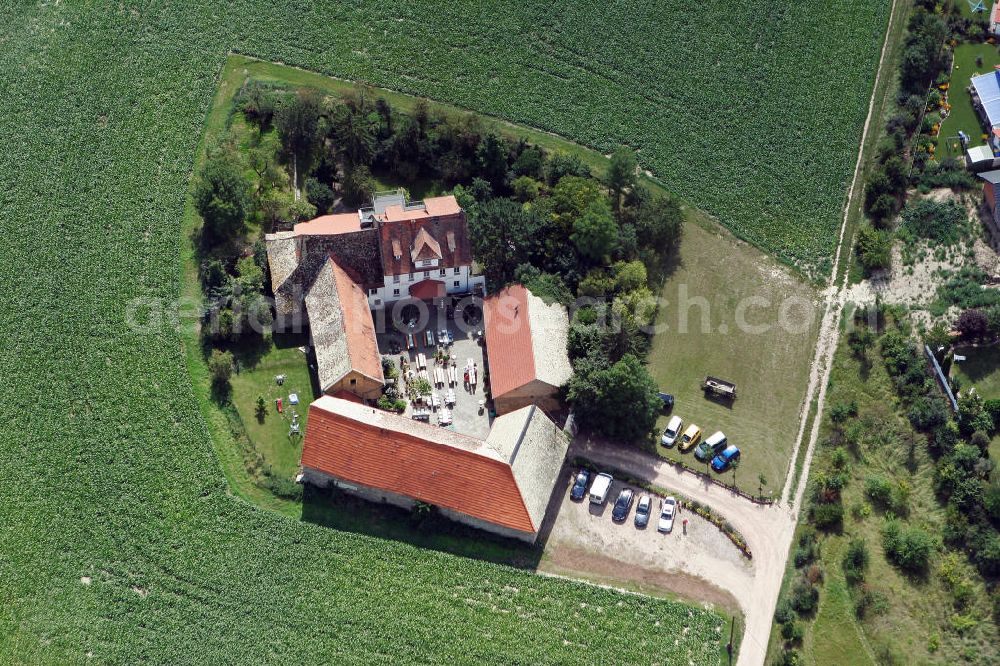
711	447
599	489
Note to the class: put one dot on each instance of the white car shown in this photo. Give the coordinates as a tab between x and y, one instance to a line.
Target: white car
668	508
672	431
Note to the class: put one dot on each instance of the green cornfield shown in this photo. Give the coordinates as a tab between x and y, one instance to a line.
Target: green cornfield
119	540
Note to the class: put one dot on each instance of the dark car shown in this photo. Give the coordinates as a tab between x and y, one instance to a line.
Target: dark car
623	505
726	458
668	401
642	510
579	490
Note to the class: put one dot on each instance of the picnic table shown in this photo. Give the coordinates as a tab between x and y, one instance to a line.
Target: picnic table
435	400
421	361
449	398
452	375
439	376
444	417
421	415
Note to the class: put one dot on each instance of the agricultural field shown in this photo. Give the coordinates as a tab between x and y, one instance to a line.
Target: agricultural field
770	366
121	540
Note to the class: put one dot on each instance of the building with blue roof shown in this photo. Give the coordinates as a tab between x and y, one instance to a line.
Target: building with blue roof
986	98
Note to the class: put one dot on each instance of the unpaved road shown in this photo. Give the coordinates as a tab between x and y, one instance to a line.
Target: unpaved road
768	530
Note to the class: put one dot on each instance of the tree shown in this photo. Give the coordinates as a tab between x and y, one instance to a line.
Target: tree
659	223
501	233
594	232
358	186
222	197
564	164
491	158
874	248
621	174
320	195
261	409
299	130
259	104
220	365
619	401
761	482
860	340
354	133
909	548
630	276
525	188
972	324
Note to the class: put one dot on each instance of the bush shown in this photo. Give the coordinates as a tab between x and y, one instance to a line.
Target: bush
804	597
909	548
871	602
855	561
784	612
828	515
842	411
972	324
879	490
320	195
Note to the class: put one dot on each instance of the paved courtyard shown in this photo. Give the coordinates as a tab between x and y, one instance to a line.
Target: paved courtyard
468	416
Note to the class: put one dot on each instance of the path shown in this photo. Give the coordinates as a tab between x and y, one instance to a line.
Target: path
769	529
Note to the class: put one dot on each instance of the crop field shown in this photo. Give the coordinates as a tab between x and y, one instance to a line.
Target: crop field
120	540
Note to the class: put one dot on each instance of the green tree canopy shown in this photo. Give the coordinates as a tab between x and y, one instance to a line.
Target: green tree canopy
621	174
222	197
619	401
299	129
595	232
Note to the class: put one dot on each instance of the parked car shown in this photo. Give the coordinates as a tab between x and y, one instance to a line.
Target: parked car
411	341
668	401
623	505
599	489
429	338
672	431
580	485
726	458
690	437
711	447
445	337
668	507
642	509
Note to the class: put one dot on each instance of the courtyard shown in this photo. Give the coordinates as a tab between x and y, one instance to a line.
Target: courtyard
455	369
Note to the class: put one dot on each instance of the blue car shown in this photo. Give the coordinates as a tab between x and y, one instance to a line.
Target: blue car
580	485
726	458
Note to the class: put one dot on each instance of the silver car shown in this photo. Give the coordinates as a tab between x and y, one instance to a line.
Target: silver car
642	511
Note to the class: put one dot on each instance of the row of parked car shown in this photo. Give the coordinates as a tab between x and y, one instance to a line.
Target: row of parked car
598	491
716	448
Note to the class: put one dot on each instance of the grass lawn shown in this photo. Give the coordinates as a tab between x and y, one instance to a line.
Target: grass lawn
770	369
963	115
270	435
980	369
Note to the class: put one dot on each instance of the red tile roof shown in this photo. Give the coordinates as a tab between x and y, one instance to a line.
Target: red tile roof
426	290
381	450
329	225
445	233
508	340
433	207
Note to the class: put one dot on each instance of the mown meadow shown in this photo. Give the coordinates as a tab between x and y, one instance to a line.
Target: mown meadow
119	539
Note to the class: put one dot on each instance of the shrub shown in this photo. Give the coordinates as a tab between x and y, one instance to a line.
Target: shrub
828	515
972	324
842	411
784	612
871	602
879	490
855	561
804	597
908	547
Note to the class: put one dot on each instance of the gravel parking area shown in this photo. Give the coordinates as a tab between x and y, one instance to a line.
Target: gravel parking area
699	563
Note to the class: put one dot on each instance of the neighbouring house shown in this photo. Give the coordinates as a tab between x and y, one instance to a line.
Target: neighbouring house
525	349
995	19
342	333
985	91
502	484
991	190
